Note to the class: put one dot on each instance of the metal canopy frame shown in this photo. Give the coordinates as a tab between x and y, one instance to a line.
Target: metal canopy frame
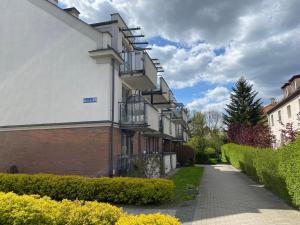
130	29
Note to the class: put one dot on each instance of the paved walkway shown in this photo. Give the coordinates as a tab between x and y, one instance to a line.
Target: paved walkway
228	197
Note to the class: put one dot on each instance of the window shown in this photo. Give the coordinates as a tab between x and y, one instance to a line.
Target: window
151	145
272	120
289	112
127	144
279	116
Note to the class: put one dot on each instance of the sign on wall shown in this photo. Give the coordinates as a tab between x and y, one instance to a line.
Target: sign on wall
90	100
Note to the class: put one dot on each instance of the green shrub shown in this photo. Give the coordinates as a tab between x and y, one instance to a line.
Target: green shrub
212	161
201	158
278	170
116	190
34	210
289	168
210	151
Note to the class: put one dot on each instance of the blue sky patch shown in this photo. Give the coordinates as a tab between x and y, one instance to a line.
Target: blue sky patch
219	51
160	41
62	5
185	95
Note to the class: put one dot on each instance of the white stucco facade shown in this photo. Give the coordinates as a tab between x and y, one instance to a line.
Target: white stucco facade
47	73
44	77
285	111
66	86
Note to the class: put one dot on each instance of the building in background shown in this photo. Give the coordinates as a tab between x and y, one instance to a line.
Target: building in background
80	98
266	109
286	110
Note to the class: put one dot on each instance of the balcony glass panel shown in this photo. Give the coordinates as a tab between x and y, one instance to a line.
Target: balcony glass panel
136	113
133	110
138	70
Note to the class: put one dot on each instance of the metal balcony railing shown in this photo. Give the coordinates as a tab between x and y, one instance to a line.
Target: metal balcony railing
145	165
133	111
179	134
133	61
180	115
139	63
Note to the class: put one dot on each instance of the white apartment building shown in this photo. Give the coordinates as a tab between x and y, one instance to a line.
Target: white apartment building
286	110
80	98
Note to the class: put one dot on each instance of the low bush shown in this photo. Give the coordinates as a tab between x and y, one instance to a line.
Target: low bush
212	161
34	210
210	151
201	158
154	219
207	156
278	170
116	190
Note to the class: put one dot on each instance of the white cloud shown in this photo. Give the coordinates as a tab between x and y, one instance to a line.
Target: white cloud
184	67
261	37
215	99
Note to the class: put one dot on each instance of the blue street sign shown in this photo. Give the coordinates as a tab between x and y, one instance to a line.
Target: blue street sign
90	100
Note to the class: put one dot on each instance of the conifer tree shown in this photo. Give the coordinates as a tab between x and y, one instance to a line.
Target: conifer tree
244	108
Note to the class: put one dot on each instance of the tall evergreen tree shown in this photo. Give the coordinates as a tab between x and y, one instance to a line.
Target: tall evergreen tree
244	108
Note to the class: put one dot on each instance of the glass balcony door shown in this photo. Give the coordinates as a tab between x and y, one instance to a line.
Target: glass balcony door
127	144
135	109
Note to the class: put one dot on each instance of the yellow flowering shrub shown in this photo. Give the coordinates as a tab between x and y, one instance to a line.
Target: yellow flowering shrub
117	190
151	219
34	210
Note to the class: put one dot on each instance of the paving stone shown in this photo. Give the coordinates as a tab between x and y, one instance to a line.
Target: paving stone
229	197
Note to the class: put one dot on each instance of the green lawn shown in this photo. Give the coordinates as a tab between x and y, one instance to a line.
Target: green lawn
186	177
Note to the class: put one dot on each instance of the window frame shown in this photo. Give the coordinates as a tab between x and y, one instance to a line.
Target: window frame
272	120
289	111
279	116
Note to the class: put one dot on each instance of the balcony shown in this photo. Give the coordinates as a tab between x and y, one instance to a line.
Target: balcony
167	127
185	136
127	165
179	115
162	96
138	70
179	133
136	114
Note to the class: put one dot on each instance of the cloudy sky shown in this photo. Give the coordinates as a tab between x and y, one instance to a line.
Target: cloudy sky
206	45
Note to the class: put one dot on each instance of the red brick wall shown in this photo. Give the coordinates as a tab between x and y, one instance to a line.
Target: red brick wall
80	151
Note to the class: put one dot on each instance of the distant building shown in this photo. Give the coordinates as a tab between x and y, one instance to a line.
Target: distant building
286	110
266	109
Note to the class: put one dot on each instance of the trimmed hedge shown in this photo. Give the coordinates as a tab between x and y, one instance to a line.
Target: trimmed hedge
34	210
278	170
154	219
116	190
